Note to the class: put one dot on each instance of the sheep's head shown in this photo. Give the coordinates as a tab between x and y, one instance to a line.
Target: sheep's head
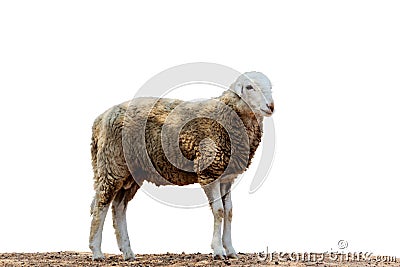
255	89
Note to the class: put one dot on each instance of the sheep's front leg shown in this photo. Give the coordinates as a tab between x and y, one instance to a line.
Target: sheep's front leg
213	192
226	236
99	214
119	206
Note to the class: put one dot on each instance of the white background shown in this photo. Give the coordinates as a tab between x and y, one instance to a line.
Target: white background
335	70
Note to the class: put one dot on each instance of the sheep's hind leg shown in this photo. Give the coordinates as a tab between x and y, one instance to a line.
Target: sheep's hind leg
213	193
119	207
99	213
226	236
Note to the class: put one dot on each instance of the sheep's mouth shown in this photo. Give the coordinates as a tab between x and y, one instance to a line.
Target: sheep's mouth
266	113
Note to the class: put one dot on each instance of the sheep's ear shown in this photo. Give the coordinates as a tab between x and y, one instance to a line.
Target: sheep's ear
239	89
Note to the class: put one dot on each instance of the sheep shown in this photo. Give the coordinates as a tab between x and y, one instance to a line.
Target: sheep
174	142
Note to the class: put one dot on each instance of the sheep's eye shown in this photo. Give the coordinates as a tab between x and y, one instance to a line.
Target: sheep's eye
249	87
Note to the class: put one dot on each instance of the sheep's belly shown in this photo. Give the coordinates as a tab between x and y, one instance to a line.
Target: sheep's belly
162	177
175	177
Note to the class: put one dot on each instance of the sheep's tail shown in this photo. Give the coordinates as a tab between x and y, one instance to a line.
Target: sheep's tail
93	150
94	144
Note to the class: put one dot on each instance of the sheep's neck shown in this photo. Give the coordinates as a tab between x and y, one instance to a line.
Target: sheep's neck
246	114
252	121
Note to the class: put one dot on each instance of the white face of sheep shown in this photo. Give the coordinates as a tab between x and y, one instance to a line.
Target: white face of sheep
255	89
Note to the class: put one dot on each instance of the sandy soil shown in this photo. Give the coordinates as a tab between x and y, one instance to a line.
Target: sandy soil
84	259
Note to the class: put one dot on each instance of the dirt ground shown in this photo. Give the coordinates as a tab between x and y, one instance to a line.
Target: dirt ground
84	259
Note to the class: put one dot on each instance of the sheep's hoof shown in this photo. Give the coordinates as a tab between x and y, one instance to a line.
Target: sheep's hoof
219	257
233	256
128	256
98	256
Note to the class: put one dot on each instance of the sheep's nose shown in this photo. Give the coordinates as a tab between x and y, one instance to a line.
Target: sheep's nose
271	107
